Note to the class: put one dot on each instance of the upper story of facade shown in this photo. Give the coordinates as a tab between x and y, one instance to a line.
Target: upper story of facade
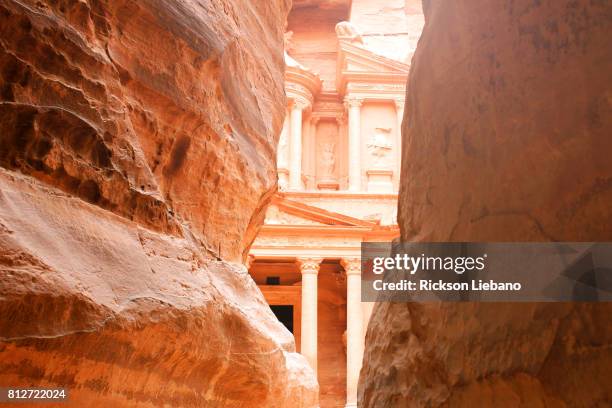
347	66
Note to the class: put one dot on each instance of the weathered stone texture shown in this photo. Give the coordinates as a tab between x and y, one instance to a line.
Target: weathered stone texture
164	113
506	138
137	146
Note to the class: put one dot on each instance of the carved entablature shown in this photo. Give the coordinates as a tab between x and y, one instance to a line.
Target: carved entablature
376	91
306	242
390	89
327	110
328	106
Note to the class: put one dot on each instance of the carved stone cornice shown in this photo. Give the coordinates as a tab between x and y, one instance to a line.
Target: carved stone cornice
352	266
376	91
327	105
309	265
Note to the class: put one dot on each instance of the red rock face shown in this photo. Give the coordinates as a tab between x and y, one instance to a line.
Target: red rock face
137	146
506	138
165	115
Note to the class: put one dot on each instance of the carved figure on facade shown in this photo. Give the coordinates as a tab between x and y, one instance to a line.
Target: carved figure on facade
379	146
328	160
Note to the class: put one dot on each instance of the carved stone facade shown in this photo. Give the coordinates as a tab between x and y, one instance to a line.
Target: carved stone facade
338	130
338	169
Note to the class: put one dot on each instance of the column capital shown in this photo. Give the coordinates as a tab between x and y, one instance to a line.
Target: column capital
314	120
352	266
299	103
353	101
399	102
309	265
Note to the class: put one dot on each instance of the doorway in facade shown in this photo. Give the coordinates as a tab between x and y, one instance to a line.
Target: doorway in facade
284	313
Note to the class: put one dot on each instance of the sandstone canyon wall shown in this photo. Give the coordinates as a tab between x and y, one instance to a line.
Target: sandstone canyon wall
137	146
506	138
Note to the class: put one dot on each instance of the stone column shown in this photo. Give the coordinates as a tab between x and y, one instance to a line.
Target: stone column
282	159
354	328
354	150
342	147
295	173
312	148
310	269
399	109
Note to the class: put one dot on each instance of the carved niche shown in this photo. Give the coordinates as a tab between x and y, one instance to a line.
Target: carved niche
328	161
380	147
327	156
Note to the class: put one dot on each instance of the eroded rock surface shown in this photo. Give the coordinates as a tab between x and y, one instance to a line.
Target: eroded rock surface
506	138
164	114
137	145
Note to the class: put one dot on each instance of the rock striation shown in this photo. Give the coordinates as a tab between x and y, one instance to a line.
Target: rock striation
506	138
137	155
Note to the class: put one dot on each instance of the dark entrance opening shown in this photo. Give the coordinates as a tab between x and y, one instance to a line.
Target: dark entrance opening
273	280
284	313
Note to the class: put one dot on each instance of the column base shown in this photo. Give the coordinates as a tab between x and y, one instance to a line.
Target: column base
351	405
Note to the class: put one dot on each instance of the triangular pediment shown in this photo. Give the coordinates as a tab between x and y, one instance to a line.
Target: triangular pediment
283	211
355	58
276	216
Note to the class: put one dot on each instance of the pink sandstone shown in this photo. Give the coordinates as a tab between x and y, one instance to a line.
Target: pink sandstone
137	146
506	138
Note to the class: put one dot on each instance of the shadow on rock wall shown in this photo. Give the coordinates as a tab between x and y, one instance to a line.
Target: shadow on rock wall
506	138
